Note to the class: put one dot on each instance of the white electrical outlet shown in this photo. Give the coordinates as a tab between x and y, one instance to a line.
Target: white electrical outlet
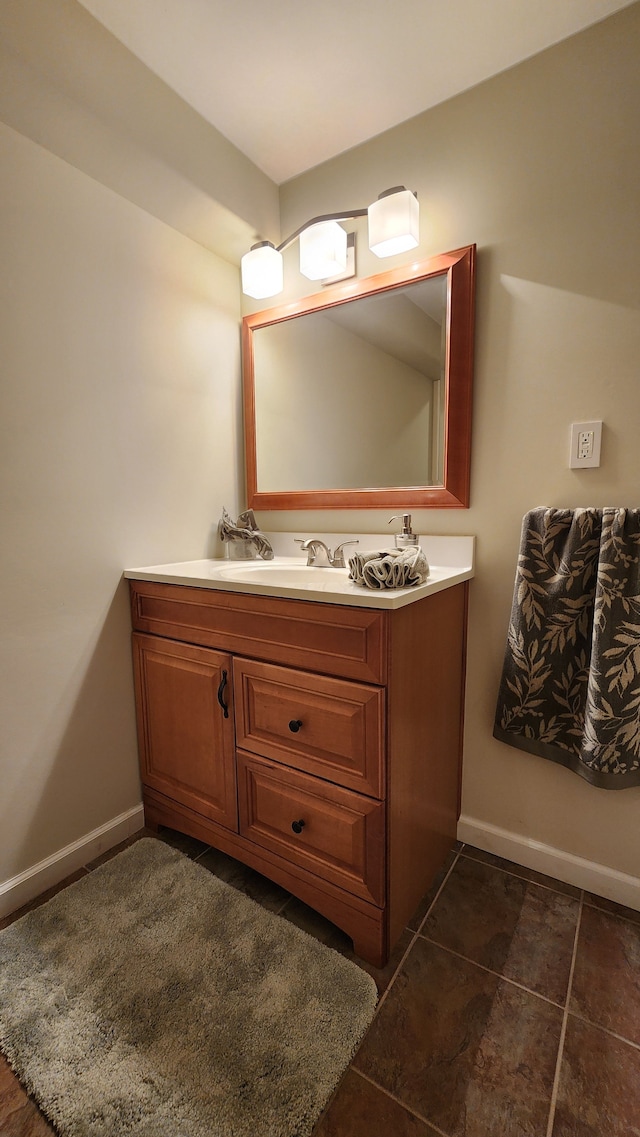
586	439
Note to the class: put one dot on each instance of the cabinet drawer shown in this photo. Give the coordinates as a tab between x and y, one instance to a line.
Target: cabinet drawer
329	638
329	727
341	834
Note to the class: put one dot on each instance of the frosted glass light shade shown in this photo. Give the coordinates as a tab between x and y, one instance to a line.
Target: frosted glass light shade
262	272
394	222
323	250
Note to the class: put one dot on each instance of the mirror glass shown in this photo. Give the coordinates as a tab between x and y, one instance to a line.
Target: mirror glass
352	396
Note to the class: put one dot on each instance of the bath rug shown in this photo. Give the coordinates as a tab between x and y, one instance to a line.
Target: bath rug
152	999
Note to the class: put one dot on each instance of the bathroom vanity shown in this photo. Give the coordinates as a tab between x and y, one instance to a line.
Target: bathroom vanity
306	726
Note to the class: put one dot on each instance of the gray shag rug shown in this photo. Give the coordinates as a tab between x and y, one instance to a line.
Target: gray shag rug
151	999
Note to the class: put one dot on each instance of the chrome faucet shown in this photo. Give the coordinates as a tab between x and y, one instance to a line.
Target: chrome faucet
320	555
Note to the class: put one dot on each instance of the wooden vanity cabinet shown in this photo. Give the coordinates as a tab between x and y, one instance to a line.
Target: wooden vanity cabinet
318	743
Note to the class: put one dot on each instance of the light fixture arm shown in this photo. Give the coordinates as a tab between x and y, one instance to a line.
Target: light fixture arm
346	215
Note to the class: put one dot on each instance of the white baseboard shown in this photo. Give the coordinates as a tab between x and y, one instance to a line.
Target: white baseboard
546	859
593	877
21	889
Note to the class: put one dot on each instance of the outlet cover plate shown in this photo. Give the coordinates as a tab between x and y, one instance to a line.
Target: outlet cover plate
586	440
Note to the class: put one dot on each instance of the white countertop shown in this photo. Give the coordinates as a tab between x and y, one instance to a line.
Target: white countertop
450	560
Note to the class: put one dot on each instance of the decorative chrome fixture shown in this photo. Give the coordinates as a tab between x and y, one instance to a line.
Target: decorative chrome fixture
394	227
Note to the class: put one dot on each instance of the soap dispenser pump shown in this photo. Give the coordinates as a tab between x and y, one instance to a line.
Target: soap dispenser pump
405	539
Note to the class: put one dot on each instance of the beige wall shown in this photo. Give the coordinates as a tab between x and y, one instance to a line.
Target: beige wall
119	442
541	168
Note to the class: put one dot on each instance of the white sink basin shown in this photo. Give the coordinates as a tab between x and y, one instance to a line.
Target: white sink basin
286	576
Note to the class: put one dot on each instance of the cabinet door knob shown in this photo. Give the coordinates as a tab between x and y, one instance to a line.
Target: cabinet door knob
294	725
297	826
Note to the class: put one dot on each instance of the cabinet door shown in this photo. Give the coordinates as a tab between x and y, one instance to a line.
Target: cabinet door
185	725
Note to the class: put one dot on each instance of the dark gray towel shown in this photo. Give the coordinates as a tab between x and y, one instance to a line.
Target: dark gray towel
570	688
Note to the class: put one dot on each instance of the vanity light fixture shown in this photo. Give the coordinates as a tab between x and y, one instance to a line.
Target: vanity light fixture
394	222
262	271
323	250
393	228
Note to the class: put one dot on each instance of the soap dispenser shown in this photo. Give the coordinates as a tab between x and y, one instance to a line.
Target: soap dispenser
405	539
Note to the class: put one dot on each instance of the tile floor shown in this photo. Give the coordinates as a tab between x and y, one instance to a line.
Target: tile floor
510	1008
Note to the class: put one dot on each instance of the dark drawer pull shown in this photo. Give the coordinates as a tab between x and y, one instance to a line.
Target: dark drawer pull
297	826
223	683
294	725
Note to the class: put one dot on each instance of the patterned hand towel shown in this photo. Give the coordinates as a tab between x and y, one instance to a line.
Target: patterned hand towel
389	568
570	688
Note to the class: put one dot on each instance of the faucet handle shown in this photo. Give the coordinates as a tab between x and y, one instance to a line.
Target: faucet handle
337	560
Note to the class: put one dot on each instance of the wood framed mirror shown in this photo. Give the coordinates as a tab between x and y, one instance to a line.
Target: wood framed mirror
360	396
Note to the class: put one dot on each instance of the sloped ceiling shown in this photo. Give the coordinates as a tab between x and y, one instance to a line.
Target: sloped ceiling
292	83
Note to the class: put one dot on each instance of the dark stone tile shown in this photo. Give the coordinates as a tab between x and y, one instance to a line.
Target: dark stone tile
429	897
508	924
41	899
12	1095
521	871
26	1122
472	1054
610	906
599	1090
323	930
384	975
300	914
190	846
19	1116
360	1109
245	879
606	978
